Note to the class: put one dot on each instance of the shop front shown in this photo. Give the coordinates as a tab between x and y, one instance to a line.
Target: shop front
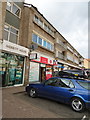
12	64
58	67
41	68
11	69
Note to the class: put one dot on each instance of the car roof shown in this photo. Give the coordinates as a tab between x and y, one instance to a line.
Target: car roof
85	80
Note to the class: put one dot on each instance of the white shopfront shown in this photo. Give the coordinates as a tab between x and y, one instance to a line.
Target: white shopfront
41	68
12	63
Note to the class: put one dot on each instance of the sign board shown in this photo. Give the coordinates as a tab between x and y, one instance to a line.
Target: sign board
33	56
11	47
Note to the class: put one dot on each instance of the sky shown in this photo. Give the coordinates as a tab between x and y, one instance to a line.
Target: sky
69	18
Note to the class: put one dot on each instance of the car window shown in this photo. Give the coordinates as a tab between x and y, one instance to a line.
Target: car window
65	83
51	82
84	84
71	85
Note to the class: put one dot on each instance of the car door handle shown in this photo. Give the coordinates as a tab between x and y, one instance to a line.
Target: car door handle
70	90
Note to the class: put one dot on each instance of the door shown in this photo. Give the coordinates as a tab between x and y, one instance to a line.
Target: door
43	73
65	90
48	88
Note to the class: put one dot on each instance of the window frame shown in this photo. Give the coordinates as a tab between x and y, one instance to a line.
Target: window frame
36	20
10	32
12	3
46	43
33	34
51	79
39	38
43	42
68	86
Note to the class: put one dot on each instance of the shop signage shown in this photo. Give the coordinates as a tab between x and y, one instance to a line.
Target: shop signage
43	65
11	47
33	56
43	59
55	62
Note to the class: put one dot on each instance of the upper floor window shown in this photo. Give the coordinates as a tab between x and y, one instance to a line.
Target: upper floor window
40	22
40	41
13	8
49	30
48	45
16	10
44	43
36	18
45	27
10	34
52	47
9	6
34	38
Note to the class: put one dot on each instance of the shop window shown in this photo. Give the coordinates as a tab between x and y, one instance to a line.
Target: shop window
12	69
34	38
34	72
10	34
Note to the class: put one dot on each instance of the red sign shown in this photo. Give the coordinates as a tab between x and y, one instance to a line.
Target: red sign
44	60
48	76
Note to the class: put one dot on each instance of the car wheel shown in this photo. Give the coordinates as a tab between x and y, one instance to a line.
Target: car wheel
77	105
32	93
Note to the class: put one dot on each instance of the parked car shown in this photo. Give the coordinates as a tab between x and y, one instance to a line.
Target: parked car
74	92
72	73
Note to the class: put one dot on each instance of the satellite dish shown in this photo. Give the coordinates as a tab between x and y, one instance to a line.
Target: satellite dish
33	46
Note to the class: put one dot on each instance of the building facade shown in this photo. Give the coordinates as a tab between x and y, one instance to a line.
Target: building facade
54	52
13	55
32	49
41	32
87	63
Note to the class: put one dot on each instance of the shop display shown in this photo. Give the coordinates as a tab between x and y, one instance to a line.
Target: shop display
11	69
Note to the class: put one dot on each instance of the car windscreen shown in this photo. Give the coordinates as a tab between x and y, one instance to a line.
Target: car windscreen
84	84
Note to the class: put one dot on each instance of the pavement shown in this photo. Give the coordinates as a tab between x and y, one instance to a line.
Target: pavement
17	104
13	107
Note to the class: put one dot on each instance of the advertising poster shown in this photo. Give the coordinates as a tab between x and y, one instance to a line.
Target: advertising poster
34	72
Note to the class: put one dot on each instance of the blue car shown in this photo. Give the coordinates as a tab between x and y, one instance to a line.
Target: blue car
70	91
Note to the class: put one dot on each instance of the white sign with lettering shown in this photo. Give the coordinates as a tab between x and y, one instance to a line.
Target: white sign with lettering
11	47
